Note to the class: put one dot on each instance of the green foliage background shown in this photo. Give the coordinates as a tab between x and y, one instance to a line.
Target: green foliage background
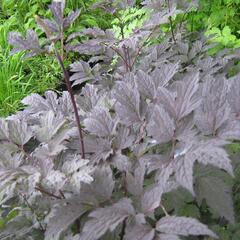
219	17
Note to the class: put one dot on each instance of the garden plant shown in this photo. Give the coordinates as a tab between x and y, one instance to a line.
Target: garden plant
20	76
140	151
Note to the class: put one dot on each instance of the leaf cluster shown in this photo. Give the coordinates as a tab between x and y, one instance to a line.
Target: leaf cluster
220	18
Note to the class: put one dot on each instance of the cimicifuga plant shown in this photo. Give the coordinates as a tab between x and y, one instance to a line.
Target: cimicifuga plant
148	128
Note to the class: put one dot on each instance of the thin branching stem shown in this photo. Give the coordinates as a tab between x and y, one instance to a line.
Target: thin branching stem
62	194
125	49
122	233
164	209
29	157
141	47
67	81
118	53
70	90
40	189
62	45
60	58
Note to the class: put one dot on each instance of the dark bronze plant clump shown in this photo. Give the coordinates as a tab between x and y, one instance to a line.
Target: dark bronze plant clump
151	119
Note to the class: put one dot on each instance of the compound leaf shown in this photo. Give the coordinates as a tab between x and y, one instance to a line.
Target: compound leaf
184	226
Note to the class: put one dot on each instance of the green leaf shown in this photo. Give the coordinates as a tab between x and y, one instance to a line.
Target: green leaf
226	31
216	192
190	210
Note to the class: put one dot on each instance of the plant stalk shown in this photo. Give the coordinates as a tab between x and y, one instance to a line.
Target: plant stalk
67	82
47	193
70	90
123	230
